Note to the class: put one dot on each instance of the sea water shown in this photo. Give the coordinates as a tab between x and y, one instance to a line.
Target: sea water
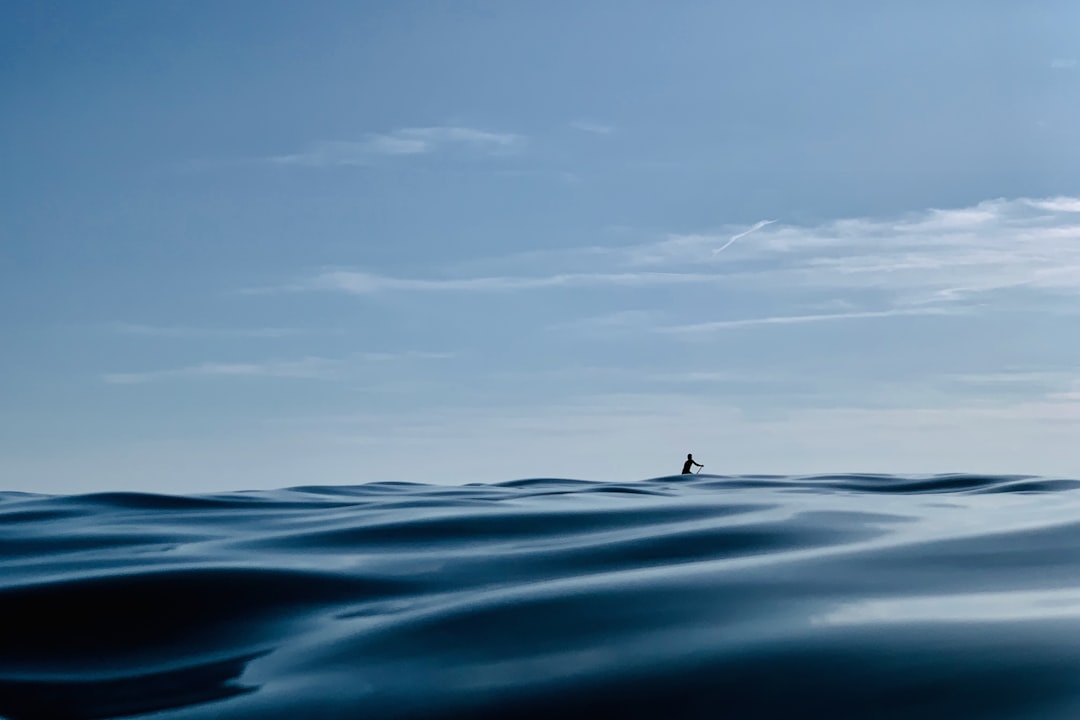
845	596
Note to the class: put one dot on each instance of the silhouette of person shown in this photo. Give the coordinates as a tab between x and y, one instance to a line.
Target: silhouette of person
690	461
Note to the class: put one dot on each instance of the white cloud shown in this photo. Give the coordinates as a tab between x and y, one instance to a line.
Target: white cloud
934	256
1063	63
405	141
941	257
1057	204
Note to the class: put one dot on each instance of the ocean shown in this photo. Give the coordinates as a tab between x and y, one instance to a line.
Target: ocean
697	596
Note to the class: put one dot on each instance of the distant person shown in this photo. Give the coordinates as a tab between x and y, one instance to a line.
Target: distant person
689	461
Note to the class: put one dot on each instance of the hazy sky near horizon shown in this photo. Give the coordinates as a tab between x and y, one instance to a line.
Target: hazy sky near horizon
256	244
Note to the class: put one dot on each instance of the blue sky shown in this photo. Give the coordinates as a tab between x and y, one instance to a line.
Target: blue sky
263	244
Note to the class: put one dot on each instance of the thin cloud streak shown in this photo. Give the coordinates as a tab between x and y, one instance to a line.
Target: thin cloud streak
307	368
402	142
406	355
707	327
753	228
592	127
361	283
182	332
620	320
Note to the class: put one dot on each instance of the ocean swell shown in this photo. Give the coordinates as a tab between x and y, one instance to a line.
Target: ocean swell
678	597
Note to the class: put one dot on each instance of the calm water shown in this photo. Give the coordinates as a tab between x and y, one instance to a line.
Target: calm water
680	597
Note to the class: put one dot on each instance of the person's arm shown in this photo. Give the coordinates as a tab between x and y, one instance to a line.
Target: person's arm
699	464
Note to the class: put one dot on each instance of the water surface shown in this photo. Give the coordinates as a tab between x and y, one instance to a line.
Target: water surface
861	596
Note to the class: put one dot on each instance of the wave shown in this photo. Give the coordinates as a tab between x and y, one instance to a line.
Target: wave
693	596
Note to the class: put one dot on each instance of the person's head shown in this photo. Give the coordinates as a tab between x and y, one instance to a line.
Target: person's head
689	456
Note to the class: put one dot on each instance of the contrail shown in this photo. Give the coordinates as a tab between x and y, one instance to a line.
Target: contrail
753	228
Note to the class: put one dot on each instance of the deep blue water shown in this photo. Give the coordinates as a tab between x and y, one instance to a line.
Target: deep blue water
847	596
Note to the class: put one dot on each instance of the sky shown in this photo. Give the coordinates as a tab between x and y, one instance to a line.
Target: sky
263	244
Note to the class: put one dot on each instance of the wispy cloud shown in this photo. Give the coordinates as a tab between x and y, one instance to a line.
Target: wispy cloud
935	256
405	355
703	376
405	141
592	127
610	322
1042	385
362	283
861	267
307	368
182	332
1063	63
1013	377
947	255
